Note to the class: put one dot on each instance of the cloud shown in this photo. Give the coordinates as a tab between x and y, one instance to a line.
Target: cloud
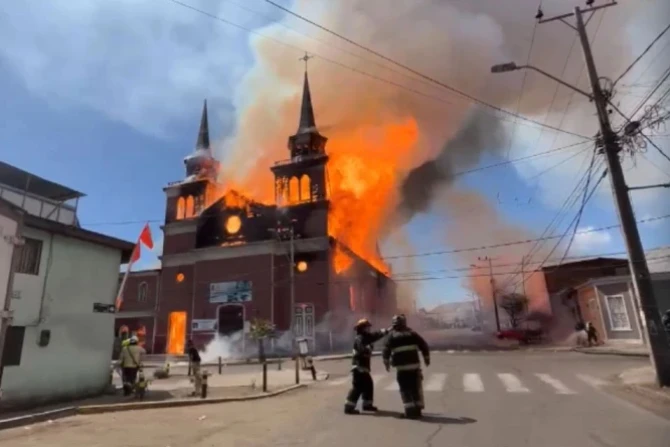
588	241
142	62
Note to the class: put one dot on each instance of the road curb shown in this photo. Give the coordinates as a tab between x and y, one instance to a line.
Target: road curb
619	353
37	417
113	408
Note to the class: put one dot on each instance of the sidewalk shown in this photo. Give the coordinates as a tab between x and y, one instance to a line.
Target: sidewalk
643	381
171	392
625	350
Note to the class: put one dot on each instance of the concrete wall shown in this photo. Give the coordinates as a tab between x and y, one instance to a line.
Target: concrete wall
73	275
8	228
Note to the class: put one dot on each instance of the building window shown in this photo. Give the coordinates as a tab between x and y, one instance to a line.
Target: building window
29	257
11	354
617	312
142	292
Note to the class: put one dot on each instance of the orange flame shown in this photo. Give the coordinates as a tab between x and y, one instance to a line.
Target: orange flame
363	171
341	260
363	174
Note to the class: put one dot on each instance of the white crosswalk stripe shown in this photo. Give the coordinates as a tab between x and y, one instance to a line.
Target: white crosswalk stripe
590	380
555	383
472	383
376	378
435	382
338	382
512	383
393	386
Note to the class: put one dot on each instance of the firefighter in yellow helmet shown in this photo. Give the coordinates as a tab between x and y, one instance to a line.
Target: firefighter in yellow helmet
362	385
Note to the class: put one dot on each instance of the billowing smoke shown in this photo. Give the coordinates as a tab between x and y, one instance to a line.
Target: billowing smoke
394	151
480	132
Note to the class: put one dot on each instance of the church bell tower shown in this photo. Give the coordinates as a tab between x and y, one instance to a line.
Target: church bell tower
301	179
189	197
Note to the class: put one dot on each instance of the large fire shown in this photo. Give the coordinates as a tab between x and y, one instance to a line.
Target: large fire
363	172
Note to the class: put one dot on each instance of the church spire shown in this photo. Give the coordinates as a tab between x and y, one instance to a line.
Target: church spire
203	134
307	122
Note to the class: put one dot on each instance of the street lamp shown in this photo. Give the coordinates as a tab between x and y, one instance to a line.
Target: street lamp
512	66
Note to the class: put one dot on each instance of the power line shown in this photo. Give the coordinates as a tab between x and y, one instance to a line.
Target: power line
585	199
518	242
664	77
563	267
323	42
523	84
423	76
574	222
457	174
646	50
570	200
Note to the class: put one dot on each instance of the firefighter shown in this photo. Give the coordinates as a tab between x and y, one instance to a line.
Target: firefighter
130	361
362	385
402	352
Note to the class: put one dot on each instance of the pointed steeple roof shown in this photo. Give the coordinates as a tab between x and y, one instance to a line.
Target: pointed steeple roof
203	134
307	122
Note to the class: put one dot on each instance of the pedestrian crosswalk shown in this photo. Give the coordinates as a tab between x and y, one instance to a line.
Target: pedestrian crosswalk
472	382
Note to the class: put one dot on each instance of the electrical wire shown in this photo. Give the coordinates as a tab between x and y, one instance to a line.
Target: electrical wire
417	73
637	59
574	222
523	84
557	219
457	174
581	208
517	242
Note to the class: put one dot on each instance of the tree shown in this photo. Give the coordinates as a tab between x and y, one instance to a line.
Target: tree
260	330
515	305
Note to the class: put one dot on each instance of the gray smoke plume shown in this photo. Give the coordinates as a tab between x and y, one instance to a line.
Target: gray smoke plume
480	132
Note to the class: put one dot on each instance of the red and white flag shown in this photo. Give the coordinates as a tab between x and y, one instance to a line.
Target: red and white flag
144	239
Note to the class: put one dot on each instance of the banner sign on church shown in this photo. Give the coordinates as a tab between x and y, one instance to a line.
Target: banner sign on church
230	292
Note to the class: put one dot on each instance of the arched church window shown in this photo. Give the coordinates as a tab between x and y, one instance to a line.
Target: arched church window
198	204
189	207
181	208
142	292
294	190
305	188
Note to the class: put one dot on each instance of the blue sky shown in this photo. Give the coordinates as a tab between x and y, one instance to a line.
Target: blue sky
105	97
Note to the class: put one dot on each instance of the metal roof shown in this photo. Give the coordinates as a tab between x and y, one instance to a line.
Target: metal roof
33	184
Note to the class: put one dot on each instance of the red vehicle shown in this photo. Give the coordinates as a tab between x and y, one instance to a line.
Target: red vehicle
524	336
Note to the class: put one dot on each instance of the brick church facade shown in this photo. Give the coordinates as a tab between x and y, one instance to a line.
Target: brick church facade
227	260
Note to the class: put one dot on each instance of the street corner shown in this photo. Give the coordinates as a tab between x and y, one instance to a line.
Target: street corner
636	351
642	380
29	419
34	418
174	403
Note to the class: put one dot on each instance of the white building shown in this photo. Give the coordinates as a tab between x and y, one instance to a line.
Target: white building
59	340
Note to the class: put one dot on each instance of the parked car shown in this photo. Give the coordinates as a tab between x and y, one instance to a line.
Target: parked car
524	336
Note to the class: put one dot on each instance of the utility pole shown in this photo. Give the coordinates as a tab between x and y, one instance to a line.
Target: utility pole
641	277
493	292
292	280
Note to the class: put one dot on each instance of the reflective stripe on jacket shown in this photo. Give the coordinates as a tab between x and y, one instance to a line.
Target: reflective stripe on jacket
402	350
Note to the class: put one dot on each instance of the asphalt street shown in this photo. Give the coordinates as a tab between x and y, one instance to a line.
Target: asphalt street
500	399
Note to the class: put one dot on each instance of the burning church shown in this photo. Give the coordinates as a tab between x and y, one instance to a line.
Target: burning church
228	259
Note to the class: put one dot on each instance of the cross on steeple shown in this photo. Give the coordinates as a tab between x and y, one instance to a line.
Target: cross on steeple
306	58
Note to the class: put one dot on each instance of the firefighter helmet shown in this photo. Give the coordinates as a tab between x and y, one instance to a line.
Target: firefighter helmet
398	321
362	323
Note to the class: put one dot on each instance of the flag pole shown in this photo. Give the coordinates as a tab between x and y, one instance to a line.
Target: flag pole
119	297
